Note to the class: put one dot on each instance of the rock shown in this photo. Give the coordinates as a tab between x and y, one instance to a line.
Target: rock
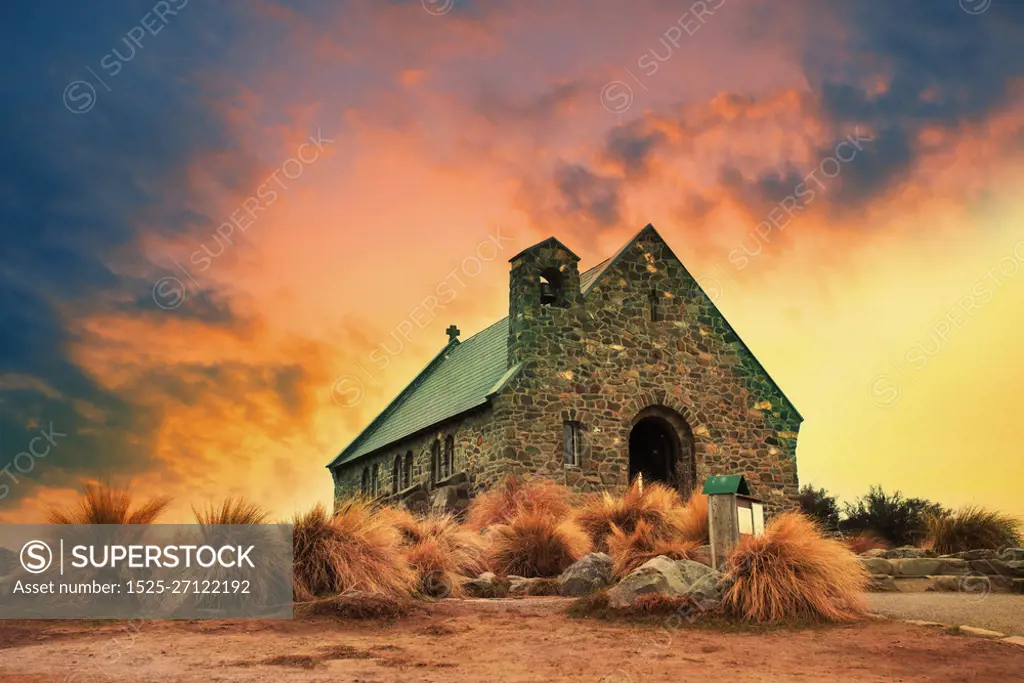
973	555
1013	568
923	566
587	575
517	585
1013	640
919	622
664	576
952	584
1011	554
981	632
907	552
487	585
882	583
876	565
874	552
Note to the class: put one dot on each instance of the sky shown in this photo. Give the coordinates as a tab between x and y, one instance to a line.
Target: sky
219	221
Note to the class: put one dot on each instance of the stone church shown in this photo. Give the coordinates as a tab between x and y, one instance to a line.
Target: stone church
592	379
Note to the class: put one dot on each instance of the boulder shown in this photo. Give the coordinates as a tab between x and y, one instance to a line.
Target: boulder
882	583
973	555
927	566
487	585
589	574
876	565
1013	568
519	586
874	552
907	552
665	576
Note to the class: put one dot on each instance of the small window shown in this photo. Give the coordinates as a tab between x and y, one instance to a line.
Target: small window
396	475
573	443
435	462
407	471
375	480
655	302
364	487
449	457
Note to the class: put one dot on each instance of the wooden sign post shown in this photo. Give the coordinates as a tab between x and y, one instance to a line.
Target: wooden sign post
732	512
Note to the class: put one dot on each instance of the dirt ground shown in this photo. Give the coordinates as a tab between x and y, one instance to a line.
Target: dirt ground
483	641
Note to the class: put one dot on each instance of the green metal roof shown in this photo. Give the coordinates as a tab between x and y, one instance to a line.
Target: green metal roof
726	483
459	378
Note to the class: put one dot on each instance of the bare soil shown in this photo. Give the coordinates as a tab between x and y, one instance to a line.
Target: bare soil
499	640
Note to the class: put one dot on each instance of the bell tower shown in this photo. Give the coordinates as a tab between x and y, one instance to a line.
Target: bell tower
546	311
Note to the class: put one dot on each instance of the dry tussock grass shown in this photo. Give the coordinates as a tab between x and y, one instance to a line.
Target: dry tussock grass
535	544
972	528
102	503
231	511
630	550
657	505
515	496
864	541
441	551
355	550
793	573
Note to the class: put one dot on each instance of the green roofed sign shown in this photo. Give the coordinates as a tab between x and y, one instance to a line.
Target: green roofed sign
726	483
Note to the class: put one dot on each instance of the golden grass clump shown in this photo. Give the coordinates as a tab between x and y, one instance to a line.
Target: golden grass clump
355	550
440	551
516	496
793	573
231	511
534	544
864	541
656	504
102	503
694	523
630	550
972	528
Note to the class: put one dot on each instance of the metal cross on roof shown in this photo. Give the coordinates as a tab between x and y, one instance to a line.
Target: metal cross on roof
453	332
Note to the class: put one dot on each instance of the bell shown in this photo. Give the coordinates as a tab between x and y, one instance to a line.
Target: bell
546	295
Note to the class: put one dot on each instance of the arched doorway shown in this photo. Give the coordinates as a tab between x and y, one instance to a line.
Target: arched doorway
652	451
661	447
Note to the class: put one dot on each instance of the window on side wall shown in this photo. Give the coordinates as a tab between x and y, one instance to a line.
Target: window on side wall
572	433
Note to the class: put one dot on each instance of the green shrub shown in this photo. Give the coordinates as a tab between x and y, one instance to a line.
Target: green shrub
898	520
820	506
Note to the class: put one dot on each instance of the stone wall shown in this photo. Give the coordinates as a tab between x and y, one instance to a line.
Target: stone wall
470	432
603	367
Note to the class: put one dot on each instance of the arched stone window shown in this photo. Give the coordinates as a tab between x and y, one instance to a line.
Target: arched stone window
435	461
375	480
449	457
407	471
552	291
396	475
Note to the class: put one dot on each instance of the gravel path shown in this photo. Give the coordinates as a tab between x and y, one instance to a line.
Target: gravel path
996	612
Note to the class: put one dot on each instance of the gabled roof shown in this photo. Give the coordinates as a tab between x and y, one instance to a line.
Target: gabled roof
458	379
465	374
